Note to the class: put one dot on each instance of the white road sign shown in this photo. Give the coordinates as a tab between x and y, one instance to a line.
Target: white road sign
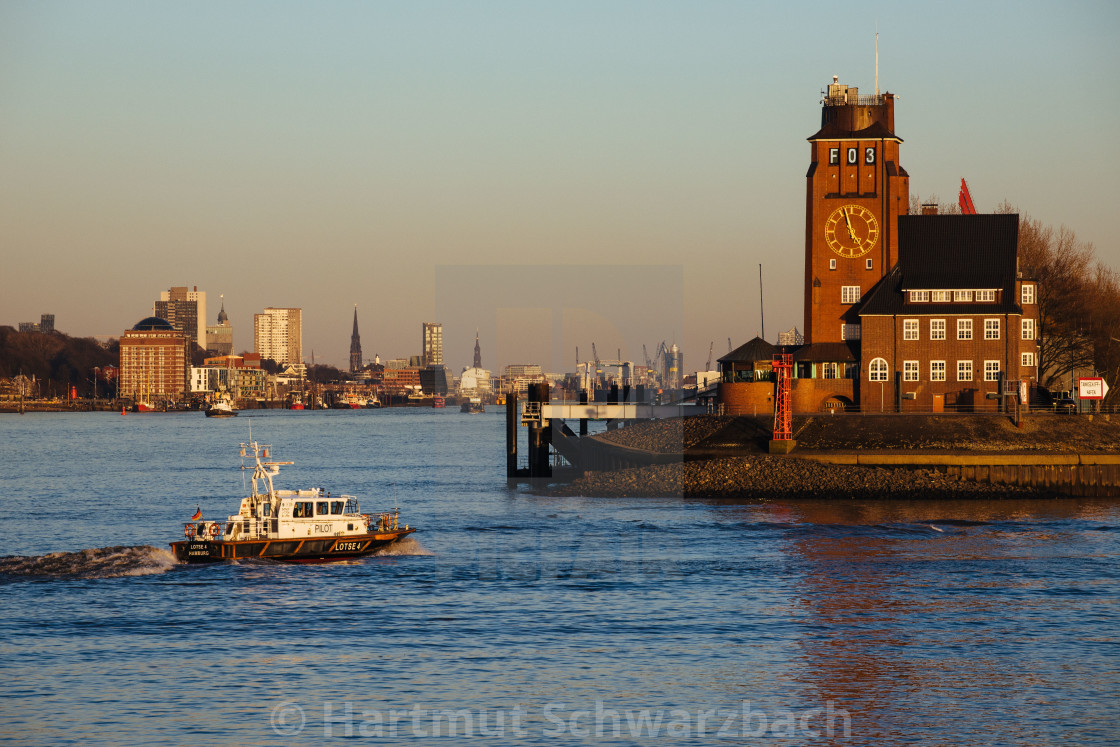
1094	388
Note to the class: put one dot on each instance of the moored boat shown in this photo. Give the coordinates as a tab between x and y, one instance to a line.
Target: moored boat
474	404
295	526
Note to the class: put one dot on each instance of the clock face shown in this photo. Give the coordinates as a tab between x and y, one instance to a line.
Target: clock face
851	231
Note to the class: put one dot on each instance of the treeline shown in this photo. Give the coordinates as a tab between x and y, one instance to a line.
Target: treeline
1078	304
57	361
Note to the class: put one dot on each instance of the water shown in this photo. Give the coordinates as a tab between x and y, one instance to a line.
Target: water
518	619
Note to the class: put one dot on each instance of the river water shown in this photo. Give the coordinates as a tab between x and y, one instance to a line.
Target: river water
512	618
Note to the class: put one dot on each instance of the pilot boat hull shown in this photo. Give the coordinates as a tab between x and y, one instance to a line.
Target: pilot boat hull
305	550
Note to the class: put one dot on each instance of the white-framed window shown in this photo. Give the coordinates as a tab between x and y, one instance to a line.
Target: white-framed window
919	296
991	370
941	296
991	329
964	370
910	370
964	329
849	294
1028	329
937	329
829	370
1028	294
960	296
870	264
877	371
986	295
832	264
1027	360
910	329
937	370
849	331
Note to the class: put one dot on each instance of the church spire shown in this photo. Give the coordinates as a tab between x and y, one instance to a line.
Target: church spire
477	351
355	346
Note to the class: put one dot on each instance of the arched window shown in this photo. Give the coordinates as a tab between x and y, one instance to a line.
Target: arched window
877	371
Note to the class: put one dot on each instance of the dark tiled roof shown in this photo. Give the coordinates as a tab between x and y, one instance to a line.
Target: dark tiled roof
875	131
827	352
950	252
958	251
755	350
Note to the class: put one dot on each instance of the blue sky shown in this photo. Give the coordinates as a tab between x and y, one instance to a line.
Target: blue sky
289	154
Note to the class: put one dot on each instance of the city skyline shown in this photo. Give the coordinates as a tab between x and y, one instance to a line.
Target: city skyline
318	158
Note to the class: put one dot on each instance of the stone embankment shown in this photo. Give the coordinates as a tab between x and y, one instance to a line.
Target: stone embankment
777	478
724	456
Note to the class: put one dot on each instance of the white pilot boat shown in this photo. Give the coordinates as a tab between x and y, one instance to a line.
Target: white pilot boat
295	526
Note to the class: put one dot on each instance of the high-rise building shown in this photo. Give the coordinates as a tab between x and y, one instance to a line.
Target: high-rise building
45	325
355	346
154	358
219	337
185	310
432	344
278	335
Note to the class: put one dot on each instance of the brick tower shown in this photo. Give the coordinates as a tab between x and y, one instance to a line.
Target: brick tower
855	191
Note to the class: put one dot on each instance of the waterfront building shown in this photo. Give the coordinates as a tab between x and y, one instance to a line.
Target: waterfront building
518	377
475	381
185	310
952	321
432	345
791	337
278	335
154	360
355	346
219	337
902	312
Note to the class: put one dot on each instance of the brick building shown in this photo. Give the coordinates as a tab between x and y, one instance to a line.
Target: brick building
952	320
154	362
902	312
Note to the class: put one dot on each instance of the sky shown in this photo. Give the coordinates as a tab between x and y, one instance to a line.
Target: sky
550	175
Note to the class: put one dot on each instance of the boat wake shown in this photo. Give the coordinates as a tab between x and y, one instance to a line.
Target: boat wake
405	546
102	562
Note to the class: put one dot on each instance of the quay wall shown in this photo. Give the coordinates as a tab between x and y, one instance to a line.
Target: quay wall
1069	474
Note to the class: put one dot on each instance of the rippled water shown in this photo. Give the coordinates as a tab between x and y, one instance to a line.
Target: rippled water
519	619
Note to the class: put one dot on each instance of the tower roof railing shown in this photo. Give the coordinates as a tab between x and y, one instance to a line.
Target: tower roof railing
871	99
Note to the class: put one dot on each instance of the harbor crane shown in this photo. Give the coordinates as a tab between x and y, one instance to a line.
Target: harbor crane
711	349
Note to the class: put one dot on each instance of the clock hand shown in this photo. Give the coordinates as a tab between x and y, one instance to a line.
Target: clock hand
851	233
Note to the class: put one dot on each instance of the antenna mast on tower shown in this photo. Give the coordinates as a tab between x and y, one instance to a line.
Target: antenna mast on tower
876	63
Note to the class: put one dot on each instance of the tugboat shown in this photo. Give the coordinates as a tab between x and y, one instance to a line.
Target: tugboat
294	526
473	404
221	407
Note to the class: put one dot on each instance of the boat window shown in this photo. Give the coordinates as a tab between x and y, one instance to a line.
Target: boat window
302	510
321	508
266	510
336	507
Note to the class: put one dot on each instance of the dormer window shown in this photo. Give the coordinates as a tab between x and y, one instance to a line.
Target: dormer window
919	296
986	295
940	296
965	296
